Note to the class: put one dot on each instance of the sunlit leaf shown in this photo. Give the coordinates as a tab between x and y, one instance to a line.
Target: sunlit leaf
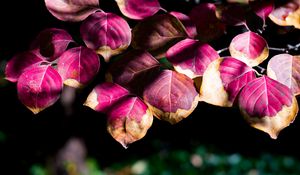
104	96
223	80
187	22
138	9
78	66
233	14
285	69
106	33
129	120
39	87
262	8
250	48
191	57
72	10
171	96
157	33
268	105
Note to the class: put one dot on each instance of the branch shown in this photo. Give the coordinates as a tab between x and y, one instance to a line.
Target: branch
288	48
222	50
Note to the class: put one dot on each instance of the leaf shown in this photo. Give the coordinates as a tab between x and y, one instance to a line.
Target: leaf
250	48
268	105
157	33
133	69
209	27
287	14
78	66
223	80
19	63
187	23
51	43
191	57
104	96
129	120
171	96
233	14
72	10
106	33
138	9
262	8
285	69
39	87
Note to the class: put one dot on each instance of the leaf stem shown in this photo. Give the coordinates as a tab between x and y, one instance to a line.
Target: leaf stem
278	49
261	70
288	48
222	50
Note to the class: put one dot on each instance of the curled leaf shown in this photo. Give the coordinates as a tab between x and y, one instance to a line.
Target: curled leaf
191	57
285	69
72	10
106	33
157	33
187	23
39	87
268	105
138	9
223	80
78	66
104	96
171	96
250	48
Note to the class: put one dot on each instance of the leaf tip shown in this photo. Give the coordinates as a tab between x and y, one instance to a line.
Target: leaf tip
91	100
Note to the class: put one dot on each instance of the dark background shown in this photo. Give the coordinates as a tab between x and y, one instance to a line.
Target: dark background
33	138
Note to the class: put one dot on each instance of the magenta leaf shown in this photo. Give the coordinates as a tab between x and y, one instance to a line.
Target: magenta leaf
39	87
285	69
157	33
223	80
187	22
171	96
78	66
268	105
262	8
191	57
51	43
209	27
250	48
138	9
72	10
20	62
104	96
129	120
106	33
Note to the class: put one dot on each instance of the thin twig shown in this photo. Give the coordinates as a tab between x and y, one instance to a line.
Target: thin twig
222	50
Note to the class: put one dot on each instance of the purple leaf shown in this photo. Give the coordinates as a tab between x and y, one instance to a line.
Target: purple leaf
78	66
250	48
20	62
51	43
262	8
285	69
171	96
72	10
157	33
191	57
209	27
233	14
187	23
223	80
138	9
268	105
129	120
106	33
39	87
104	96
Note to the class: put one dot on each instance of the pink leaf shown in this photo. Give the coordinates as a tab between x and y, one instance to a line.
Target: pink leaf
51	43
19	63
78	66
191	57
268	105
223	80
72	10
262	8
250	48
39	87
138	9
104	96
186	21
106	33
129	120
171	96
285	69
